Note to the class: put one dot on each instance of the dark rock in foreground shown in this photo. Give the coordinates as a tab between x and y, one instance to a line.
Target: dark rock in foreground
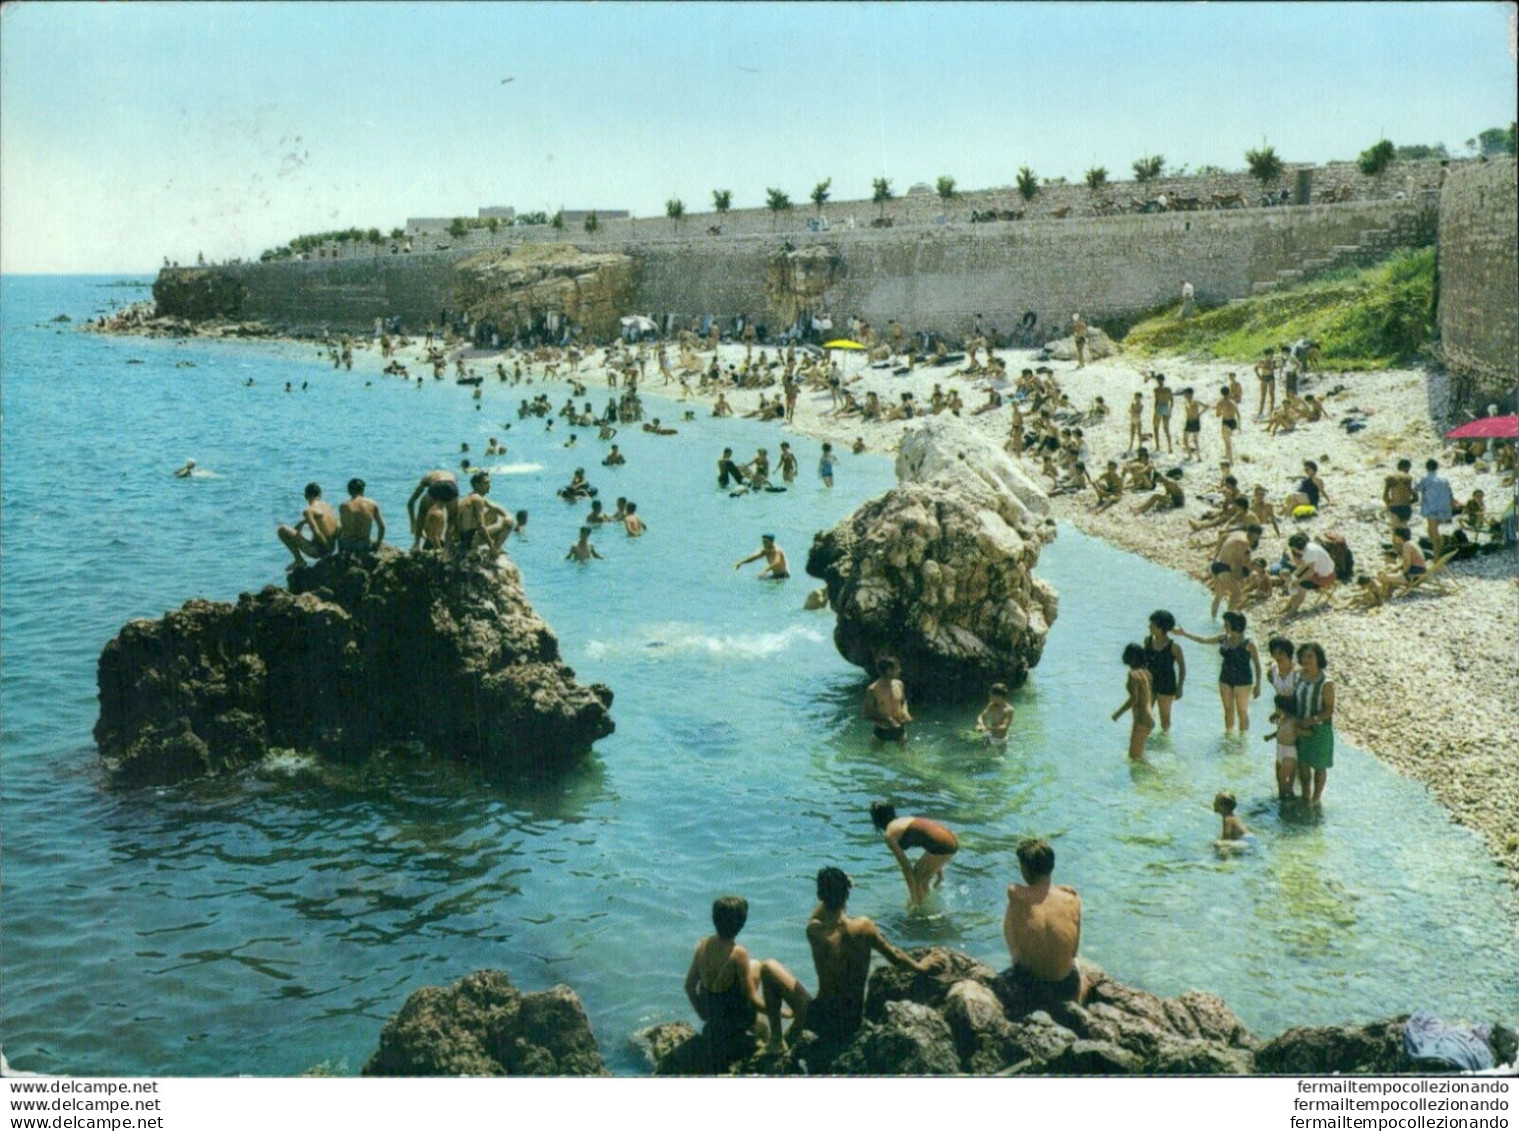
363	652
958	1022
482	1026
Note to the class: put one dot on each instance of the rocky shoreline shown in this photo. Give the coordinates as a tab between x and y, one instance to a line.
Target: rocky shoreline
362	653
964	1019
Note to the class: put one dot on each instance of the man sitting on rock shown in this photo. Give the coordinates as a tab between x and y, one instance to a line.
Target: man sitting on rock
482	522
1043	932
841	952
357	517
322	523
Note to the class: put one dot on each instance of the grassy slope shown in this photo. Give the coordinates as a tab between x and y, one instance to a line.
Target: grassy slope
1374	318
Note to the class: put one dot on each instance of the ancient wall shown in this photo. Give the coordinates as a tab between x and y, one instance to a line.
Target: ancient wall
1479	281
943	277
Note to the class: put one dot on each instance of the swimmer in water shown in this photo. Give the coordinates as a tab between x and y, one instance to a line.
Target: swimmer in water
583	551
186	471
1233	828
632	523
775	560
902	833
996	717
885	704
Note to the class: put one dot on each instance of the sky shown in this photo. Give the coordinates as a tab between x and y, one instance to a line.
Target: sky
134	131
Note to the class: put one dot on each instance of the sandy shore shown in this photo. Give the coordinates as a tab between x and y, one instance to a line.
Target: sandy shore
1427	683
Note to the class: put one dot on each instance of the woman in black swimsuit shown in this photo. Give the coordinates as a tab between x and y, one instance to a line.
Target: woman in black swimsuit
1239	677
728	989
1168	667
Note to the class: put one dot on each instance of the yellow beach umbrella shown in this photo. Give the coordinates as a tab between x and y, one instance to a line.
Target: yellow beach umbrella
843	344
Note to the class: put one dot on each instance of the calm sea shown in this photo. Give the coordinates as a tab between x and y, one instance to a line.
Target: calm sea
272	922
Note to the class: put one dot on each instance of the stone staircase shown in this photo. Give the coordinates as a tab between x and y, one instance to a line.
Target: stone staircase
1373	245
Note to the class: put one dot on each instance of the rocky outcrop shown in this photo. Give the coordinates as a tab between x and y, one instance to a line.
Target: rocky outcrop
959	1021
482	1026
798	280
516	287
938	572
198	293
362	652
1099	346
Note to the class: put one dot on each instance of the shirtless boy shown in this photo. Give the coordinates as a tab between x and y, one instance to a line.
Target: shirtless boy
775	560
885	704
841	953
1233	828
323	524
996	718
356	518
1042	928
583	551
482	522
413	512
902	833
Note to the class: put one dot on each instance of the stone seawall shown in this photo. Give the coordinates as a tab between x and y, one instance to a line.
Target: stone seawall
946	278
1479	282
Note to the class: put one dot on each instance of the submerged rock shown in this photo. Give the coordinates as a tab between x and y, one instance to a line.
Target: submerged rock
938	572
363	652
482	1026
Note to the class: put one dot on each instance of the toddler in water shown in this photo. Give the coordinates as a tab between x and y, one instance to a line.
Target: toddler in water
1233	828
995	718
1286	736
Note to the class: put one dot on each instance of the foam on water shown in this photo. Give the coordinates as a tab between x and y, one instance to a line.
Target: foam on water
678	639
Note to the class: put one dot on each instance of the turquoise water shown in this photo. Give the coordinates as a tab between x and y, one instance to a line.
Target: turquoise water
269	923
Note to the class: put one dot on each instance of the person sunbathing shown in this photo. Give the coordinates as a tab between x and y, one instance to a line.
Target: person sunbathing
1411	563
1109	486
1169	497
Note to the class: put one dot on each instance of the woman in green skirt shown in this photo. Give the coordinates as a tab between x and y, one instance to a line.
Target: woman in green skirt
1315	713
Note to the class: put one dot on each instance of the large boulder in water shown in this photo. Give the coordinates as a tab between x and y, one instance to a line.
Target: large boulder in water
482	1026
362	652
938	573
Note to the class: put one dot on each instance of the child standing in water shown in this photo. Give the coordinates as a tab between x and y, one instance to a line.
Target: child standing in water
995	718
1286	744
825	465
1138	685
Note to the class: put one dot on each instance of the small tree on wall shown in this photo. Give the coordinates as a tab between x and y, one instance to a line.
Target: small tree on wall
1096	178
722	200
777	202
1028	183
880	193
675	209
1265	166
557	223
945	187
1146	169
458	228
592	222
1374	161
820	193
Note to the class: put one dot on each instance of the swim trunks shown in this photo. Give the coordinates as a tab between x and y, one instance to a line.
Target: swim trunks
1030	992
1219	567
353	545
1403	511
891	734
1230	423
1194	426
1286	753
834	1019
1163	410
930	836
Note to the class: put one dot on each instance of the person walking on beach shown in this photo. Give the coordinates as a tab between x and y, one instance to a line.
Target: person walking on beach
1239	676
885	704
323	524
1228	418
1138	687
356	518
1398	494
1191	429
1315	720
1161	420
1166	662
902	833
730	990
1042	929
1265	373
1079	336
1436	503
842	948
775	560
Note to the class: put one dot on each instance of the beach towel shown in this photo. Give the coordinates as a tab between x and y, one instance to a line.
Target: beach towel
1426	1037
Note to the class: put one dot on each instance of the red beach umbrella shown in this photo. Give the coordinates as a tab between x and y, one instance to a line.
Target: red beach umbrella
1487	428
